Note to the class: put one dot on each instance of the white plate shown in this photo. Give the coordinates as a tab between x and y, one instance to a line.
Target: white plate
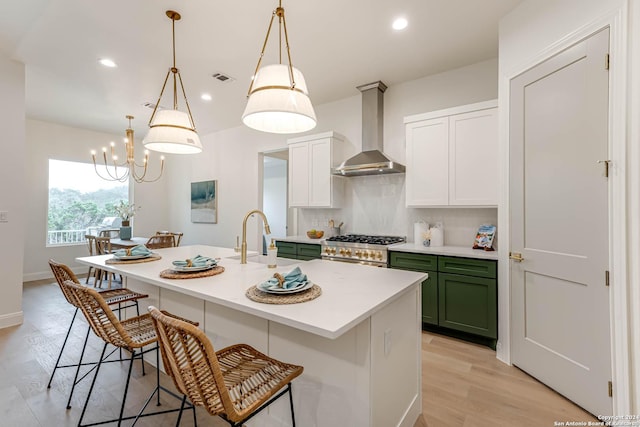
190	269
281	291
131	257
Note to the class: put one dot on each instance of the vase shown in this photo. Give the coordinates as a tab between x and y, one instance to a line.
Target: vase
125	231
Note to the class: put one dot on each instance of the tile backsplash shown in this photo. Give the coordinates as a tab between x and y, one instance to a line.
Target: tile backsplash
376	205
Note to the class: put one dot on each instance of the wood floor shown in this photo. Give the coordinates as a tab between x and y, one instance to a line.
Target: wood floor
463	384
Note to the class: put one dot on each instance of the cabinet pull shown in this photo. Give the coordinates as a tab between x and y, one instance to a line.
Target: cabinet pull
516	256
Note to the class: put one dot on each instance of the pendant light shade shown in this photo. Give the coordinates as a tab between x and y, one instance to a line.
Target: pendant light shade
274	107
171	132
278	98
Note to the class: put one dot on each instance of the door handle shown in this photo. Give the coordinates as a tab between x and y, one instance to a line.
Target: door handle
516	256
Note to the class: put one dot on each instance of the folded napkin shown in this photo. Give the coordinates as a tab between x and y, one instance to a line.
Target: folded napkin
135	251
293	279
196	261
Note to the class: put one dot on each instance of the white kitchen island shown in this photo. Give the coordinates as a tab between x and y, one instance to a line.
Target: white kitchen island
359	342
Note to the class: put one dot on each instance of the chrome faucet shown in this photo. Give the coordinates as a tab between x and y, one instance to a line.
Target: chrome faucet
243	248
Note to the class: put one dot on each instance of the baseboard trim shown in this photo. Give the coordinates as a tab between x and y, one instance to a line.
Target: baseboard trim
11	319
42	275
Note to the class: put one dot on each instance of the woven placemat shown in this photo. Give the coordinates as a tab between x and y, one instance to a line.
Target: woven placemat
114	260
255	294
171	274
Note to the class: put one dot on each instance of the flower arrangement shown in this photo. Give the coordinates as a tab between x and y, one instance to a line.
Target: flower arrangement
426	236
125	211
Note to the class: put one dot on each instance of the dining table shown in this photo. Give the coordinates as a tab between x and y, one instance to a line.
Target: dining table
118	243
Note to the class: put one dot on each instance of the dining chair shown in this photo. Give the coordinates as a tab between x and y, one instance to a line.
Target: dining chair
91	245
160	241
177	235
132	334
113	297
234	383
103	247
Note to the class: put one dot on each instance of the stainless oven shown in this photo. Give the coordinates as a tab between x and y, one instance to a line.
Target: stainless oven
359	248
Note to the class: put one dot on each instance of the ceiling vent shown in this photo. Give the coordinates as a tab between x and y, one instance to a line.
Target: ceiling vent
224	78
152	105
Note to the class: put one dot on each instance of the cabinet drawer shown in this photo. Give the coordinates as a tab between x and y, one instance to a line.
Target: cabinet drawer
468	304
308	250
467	266
286	248
412	261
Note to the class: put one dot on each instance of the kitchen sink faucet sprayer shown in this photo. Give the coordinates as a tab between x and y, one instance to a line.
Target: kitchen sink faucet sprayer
243	247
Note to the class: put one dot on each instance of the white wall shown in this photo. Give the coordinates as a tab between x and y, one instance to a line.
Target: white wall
376	204
13	190
275	195
532	32
52	141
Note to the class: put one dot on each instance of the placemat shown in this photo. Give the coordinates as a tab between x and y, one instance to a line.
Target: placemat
255	294
171	274
153	257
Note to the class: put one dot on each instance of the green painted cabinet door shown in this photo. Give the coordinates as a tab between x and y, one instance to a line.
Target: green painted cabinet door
286	249
425	264
308	251
468	304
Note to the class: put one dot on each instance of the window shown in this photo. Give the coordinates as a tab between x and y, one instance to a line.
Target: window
79	201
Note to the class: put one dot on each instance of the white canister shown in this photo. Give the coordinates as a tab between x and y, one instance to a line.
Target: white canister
437	236
419	229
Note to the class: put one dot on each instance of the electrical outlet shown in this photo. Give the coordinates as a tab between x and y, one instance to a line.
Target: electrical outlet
387	342
4	216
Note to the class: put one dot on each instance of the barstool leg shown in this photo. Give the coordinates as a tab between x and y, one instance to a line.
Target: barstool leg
293	417
184	399
93	382
75	313
126	388
75	378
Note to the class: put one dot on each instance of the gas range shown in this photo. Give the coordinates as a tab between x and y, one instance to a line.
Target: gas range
359	248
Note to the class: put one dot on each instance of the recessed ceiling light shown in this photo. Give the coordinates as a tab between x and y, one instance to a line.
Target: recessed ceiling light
400	24
107	62
205	97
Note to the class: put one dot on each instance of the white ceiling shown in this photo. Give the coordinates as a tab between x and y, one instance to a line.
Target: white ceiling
337	44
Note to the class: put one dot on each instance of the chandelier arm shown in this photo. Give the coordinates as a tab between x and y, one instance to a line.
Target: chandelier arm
110	177
140	178
114	165
184	94
264	46
286	40
155	108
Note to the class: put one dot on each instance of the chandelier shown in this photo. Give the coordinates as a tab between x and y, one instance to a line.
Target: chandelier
172	131
127	168
278	96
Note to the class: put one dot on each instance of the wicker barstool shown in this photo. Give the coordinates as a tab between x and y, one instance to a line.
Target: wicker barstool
132	334
111	296
234	383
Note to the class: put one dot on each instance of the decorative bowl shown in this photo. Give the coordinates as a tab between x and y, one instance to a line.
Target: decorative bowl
317	234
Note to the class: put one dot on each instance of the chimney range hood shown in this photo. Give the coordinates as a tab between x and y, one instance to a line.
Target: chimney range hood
371	161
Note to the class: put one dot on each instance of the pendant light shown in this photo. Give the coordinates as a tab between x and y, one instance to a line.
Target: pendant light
278	96
128	168
172	131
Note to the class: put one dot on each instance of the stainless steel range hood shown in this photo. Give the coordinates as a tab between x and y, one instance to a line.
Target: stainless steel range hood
371	161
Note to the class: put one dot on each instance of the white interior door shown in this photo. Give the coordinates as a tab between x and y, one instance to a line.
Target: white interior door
559	219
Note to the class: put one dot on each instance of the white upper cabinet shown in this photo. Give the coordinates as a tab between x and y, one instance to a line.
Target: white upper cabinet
452	157
311	158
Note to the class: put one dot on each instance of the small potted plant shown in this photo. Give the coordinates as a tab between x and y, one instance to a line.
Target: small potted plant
125	211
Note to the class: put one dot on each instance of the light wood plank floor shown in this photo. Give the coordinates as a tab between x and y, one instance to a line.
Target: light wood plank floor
464	385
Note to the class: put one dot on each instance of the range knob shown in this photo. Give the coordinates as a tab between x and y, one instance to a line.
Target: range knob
379	255
358	253
341	251
327	250
365	254
348	252
333	251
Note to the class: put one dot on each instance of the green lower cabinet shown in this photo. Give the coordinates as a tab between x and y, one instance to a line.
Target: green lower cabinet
300	251
430	299
468	304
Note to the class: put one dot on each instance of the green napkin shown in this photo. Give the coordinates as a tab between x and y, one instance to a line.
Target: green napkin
138	250
197	261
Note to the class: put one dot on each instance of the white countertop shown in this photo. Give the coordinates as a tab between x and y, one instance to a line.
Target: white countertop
460	251
350	292
300	239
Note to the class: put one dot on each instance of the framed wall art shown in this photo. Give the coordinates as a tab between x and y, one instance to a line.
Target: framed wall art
204	202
